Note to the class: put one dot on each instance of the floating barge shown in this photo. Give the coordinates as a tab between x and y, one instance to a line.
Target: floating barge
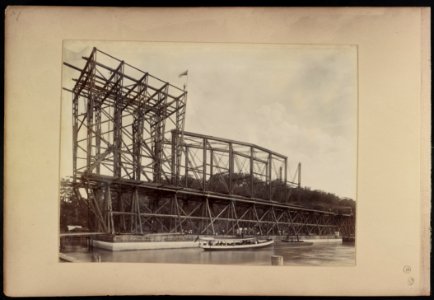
145	242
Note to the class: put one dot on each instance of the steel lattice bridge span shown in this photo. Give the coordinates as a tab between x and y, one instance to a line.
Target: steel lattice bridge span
139	171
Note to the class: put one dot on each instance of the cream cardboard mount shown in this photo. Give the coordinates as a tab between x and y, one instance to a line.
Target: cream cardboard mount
393	207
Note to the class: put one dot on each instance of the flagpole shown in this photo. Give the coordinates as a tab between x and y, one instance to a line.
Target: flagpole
186	80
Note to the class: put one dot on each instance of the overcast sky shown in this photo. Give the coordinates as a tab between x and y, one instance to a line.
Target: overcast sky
297	100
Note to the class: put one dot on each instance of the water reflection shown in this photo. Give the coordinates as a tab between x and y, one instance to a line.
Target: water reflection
321	254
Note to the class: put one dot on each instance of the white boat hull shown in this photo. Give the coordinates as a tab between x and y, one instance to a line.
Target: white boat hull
260	244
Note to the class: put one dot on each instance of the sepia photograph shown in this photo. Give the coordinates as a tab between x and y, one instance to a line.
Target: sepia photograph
208	153
244	151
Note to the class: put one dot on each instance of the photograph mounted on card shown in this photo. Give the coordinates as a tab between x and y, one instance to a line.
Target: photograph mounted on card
217	151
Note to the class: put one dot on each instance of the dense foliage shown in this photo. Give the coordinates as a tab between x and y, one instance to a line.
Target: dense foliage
282	193
321	200
72	211
75	212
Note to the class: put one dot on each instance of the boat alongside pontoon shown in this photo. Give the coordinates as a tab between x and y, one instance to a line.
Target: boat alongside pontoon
234	244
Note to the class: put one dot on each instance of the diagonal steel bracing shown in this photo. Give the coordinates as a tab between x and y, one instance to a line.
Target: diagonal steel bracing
142	172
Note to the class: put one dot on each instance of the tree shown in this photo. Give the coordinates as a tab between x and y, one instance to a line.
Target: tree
72	210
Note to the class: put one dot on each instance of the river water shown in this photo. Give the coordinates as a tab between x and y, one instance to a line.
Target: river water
318	254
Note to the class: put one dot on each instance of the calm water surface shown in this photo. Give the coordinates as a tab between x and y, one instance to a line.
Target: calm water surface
320	254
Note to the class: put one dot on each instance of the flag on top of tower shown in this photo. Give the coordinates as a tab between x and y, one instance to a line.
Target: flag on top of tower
185	73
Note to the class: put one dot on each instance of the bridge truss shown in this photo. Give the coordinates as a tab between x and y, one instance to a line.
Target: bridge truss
139	171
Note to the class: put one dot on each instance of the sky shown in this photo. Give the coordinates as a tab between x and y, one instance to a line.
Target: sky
297	100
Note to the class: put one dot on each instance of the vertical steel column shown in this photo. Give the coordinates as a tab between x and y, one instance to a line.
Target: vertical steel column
98	136
204	165
121	208
285	171
186	166
89	113
137	125
211	163
180	104
117	126
179	140
235	217
137	210
133	216
180	111
97	109
251	172
231	167
157	148
269	175
74	134
158	133
210	215
175	198
109	210
173	166
89	125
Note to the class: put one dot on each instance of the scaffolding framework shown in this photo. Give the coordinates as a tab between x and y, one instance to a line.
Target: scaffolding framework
139	171
225	166
124	206
122	119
